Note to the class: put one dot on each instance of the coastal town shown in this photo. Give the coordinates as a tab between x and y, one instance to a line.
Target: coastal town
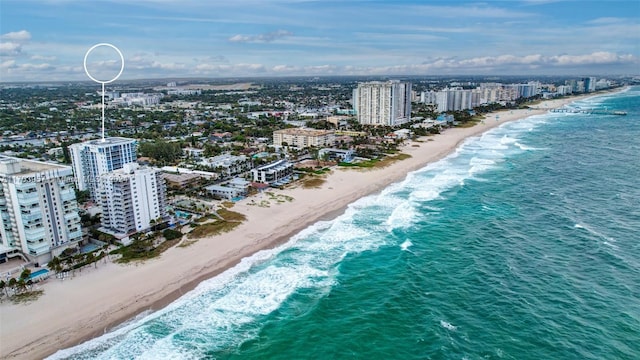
192	176
177	156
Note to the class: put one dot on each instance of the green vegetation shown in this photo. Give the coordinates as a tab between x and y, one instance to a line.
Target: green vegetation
229	215
312	182
161	151
471	123
228	204
26	297
170	234
230	220
21	287
377	163
143	248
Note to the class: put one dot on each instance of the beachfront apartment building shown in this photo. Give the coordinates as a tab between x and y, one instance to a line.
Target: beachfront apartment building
302	138
275	173
38	209
91	159
132	199
383	103
236	187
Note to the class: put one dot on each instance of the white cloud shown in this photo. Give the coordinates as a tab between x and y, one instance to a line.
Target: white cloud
146	66
20	36
43	58
10	49
7	64
261	38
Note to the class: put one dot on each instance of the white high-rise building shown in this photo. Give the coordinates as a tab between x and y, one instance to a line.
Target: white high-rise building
132	198
38	209
383	103
92	158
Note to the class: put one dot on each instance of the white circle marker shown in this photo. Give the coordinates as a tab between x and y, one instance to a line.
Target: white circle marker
121	63
103	81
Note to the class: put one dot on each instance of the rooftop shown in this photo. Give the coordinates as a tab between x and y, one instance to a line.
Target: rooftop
17	166
114	140
305	132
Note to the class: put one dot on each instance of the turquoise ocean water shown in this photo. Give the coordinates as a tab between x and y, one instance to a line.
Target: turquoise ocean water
523	244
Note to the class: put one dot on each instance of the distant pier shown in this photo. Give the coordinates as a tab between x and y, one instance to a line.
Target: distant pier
588	111
582	111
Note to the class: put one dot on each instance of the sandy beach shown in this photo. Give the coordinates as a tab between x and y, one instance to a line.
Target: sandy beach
97	299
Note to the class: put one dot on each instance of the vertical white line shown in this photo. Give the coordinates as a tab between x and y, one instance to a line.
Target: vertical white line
102	112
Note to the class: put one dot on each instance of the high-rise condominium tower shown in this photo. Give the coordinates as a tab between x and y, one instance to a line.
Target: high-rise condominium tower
383	103
93	158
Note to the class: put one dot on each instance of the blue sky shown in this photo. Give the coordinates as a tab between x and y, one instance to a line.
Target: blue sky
47	39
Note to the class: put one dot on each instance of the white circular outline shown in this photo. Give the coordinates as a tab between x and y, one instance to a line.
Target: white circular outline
121	60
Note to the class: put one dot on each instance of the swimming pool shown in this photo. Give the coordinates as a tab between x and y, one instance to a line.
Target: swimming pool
183	214
38	273
85	249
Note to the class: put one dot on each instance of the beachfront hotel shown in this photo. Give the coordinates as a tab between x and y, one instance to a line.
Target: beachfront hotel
132	199
38	210
92	158
383	103
302	138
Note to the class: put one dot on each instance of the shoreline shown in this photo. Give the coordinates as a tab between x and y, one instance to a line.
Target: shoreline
73	311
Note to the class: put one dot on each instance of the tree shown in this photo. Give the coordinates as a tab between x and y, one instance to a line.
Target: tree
12	284
105	249
21	285
25	274
90	258
3	286
55	264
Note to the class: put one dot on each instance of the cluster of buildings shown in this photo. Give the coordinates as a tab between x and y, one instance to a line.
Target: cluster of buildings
39	215
134	99
588	84
457	98
131	197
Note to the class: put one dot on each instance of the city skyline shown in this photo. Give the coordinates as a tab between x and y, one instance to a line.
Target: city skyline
47	40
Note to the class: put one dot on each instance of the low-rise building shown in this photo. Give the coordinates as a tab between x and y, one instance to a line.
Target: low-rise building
228	165
275	173
180	181
336	154
237	187
193	153
302	138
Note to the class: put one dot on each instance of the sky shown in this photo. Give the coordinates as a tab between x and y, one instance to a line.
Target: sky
48	40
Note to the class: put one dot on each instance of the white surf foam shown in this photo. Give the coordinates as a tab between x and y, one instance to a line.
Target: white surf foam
406	245
447	325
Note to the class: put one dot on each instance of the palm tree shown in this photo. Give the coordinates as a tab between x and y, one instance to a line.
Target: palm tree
55	264
105	249
25	274
21	285
3	286
90	258
12	284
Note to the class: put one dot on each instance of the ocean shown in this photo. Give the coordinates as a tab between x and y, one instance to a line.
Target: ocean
522	244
